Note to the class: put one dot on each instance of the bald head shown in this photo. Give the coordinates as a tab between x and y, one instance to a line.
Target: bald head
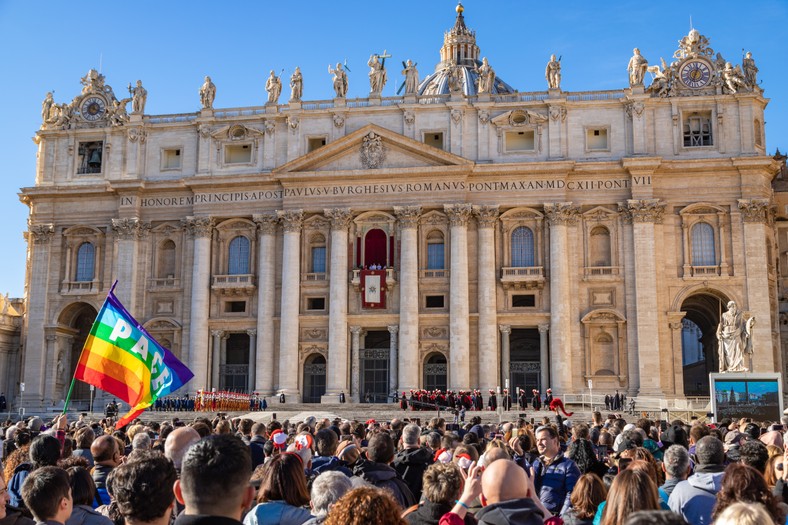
504	480
104	450
178	442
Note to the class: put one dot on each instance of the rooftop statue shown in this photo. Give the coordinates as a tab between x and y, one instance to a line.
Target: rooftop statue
750	70
207	93
411	77
273	86
340	80
296	85
139	95
693	45
733	79
637	68
553	73
486	79
377	74
46	107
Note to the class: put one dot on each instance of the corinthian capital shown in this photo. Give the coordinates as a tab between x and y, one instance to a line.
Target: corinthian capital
198	226
130	228
266	222
754	210
646	210
340	217
486	215
41	233
458	213
408	216
291	220
564	213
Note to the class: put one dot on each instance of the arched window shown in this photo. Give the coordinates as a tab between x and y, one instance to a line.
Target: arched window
436	259
166	261
238	256
522	247
86	261
599	247
703	252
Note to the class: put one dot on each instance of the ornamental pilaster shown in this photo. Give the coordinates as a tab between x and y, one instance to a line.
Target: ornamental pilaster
291	220
458	213
42	233
266	222
408	216
486	216
754	210
198	226
646	210
340	217
130	228
563	213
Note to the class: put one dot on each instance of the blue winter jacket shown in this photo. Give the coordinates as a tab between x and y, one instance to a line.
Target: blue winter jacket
554	483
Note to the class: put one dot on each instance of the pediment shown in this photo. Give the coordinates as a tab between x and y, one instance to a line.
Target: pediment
372	148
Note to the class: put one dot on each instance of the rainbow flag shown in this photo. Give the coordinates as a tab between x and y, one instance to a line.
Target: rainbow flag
120	357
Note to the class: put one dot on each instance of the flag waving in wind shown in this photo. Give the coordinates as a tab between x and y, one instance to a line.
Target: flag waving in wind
120	357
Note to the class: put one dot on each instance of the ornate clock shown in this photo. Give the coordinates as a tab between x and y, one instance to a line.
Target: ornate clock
93	108
695	74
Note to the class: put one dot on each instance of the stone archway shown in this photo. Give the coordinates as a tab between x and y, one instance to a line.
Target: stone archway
314	378
74	324
699	339
435	372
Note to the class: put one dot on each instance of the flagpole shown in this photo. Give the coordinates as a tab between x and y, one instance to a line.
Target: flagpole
74	377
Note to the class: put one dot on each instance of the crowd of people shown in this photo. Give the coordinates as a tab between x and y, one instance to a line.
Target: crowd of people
216	470
473	399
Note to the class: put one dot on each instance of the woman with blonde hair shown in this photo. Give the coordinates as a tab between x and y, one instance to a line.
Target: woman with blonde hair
774	470
588	494
632	489
743	514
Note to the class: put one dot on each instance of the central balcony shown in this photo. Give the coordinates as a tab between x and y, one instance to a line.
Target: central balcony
241	284
523	278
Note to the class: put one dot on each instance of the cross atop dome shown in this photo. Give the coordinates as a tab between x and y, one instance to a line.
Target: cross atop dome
459	43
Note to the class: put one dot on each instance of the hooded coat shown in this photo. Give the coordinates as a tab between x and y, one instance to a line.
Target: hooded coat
521	511
694	498
410	464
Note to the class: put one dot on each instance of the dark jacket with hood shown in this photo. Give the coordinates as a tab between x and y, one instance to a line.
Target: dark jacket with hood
410	464
429	513
383	476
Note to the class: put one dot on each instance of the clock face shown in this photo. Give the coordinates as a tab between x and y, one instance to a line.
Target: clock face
93	108
695	74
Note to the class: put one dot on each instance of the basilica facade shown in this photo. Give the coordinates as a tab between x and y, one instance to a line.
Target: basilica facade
462	235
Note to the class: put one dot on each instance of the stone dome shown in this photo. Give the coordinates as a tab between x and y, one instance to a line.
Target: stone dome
459	52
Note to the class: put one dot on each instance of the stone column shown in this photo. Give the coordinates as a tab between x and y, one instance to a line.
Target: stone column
128	232
645	214
355	345
506	331
35	358
215	358
560	215
291	296
201	229
393	375
459	327
756	216
51	382
252	360
544	357
408	365
266	296
486	217
675	321
337	370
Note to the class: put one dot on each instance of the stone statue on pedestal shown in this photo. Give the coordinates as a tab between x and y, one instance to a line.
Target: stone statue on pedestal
139	95
377	75
46	107
273	87
411	78
340	80
553	73
734	339
637	68
486	77
207	93
750	70
296	85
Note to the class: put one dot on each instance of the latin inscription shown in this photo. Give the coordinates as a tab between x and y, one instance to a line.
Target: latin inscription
354	190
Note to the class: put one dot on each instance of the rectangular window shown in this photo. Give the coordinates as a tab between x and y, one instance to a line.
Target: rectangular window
315	142
596	139
171	159
520	141
435	257
235	307
697	130
90	157
434	139
238	154
523	301
318	259
316	303
434	301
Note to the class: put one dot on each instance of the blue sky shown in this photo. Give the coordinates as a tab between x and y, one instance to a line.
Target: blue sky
171	46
